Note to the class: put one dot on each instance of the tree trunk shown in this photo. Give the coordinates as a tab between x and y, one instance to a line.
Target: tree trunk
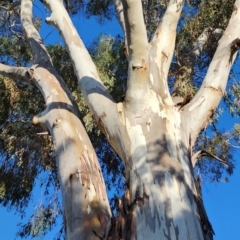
161	201
152	135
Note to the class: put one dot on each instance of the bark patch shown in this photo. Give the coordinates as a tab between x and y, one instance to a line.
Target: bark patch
90	173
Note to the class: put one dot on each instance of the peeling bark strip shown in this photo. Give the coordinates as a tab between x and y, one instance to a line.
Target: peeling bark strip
90	173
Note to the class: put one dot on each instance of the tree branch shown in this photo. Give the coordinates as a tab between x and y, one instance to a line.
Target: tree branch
41	56
200	153
120	15
162	48
138	46
204	103
78	168
94	92
15	73
201	41
11	6
40	53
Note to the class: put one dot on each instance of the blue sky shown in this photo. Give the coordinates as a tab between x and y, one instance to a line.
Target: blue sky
222	200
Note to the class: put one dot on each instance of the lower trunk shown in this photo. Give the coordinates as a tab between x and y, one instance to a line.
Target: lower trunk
161	200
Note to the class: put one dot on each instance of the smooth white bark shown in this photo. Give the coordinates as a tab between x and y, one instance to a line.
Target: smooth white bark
162	189
204	103
100	102
138	64
162	48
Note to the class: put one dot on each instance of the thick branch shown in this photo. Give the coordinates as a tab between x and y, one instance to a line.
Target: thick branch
41	56
204	103
95	94
138	50
162	48
79	172
15	73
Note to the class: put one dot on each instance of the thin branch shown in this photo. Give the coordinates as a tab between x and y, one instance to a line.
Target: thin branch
203	105
201	153
162	48
11	6
234	146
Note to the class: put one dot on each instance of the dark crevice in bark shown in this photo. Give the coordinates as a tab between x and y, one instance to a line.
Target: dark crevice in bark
123	225
205	223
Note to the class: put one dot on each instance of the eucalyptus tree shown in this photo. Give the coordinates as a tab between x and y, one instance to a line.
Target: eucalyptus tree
154	128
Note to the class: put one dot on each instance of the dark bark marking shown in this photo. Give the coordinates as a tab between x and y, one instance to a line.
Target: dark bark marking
142	66
30	74
206	226
57	122
185	101
179	5
165	55
124	226
235	45
218	89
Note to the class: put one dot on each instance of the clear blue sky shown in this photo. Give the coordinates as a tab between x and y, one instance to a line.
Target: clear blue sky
222	200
